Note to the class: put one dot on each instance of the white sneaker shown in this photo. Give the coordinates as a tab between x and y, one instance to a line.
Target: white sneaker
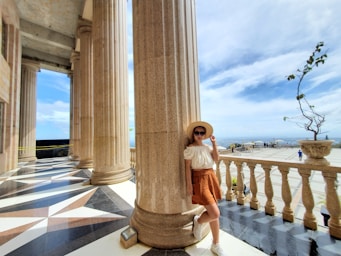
197	228
217	250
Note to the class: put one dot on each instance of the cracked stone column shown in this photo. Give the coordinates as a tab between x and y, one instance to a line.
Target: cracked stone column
111	136
166	101
86	113
76	96
28	109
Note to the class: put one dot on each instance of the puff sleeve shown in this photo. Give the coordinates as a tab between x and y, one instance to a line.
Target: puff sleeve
188	153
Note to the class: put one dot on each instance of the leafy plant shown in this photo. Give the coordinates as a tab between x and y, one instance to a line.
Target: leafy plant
313	119
234	181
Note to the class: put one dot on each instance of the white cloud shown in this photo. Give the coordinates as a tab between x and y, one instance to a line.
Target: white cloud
251	46
56	112
245	51
55	81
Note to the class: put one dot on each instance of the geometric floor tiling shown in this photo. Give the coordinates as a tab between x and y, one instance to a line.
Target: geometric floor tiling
46	209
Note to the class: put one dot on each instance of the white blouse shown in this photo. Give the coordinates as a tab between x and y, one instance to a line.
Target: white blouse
200	155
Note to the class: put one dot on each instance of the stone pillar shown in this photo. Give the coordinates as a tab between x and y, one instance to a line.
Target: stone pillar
70	75
28	109
12	110
75	132
111	126
86	114
166	101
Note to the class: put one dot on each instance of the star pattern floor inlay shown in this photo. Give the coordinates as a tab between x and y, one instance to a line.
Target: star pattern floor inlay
49	206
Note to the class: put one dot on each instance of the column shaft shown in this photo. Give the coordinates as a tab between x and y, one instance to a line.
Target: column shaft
12	111
87	115
70	75
166	100
76	105
111	136
28	109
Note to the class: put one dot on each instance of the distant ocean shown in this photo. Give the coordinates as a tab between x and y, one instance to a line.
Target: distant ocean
226	142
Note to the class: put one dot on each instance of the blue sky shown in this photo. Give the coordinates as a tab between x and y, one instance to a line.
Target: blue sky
245	51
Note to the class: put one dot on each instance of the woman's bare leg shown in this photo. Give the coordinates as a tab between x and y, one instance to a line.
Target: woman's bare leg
211	215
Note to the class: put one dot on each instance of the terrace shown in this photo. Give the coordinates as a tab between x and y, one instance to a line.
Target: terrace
48	207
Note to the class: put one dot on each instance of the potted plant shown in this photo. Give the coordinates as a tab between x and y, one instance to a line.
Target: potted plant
315	149
234	183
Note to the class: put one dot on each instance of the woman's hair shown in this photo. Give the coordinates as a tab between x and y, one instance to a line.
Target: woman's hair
194	130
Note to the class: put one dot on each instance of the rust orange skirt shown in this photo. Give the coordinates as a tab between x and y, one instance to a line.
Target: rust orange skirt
206	189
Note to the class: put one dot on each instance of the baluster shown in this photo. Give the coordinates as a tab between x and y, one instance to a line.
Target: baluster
229	193
288	213
332	204
132	158
269	206
254	203
218	174
309	219
240	184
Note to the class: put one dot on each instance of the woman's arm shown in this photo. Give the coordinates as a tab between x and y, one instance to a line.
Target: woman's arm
188	177
215	153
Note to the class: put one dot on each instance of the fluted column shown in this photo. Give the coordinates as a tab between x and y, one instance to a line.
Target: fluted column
12	111
70	75
111	137
28	109
86	114
75	133
166	101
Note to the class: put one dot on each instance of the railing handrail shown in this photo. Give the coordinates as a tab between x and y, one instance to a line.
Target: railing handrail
285	163
329	173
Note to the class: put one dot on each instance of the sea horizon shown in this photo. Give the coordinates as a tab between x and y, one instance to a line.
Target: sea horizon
227	141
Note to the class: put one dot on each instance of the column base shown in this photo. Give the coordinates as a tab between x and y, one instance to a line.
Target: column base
110	177
165	231
27	158
73	158
85	164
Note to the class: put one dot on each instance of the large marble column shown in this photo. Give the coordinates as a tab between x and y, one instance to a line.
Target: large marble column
12	111
70	75
111	126
28	109
87	113
76	104
166	101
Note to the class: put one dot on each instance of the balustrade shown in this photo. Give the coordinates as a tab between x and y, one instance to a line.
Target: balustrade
256	172
267	170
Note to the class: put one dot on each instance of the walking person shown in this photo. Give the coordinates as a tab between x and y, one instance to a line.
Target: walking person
201	181
300	154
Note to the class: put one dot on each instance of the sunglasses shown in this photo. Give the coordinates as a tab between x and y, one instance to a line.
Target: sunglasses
199	133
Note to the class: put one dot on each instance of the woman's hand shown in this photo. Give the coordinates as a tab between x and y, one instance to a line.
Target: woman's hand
215	153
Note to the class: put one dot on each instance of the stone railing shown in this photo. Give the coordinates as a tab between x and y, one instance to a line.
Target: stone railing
248	170
251	171
133	157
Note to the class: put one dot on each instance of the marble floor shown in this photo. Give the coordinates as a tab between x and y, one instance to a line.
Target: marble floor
48	208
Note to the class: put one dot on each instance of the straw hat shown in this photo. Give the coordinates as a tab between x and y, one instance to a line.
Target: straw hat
207	126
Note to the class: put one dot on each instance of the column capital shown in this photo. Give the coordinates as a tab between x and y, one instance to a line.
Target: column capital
31	64
84	26
75	56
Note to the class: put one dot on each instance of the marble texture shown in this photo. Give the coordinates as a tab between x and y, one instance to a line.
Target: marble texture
166	100
111	126
28	109
87	98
